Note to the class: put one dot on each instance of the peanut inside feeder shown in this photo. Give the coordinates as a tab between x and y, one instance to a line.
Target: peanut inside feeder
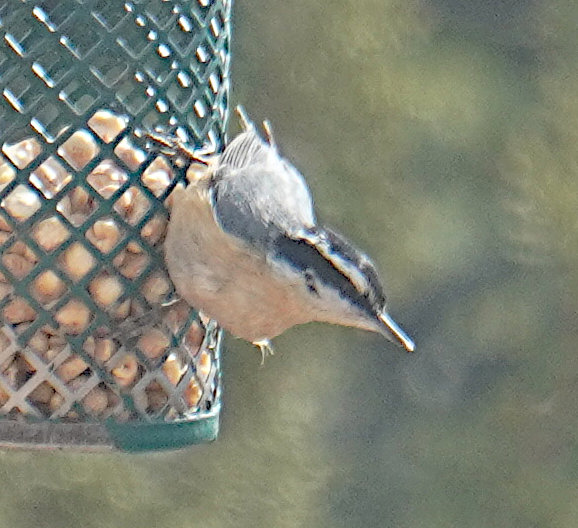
91	354
85	331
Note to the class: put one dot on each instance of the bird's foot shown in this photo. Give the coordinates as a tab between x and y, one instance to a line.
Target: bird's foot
265	347
175	146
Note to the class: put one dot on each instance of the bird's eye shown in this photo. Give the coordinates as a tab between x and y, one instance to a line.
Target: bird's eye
310	282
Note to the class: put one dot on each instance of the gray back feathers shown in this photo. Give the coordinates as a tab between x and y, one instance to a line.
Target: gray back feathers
257	195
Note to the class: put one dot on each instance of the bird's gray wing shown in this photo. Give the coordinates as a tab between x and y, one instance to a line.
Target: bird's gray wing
246	149
257	195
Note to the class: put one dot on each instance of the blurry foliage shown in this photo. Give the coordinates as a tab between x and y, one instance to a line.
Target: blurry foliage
441	136
540	160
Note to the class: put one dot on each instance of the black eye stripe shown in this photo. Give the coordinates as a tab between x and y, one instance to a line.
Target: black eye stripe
303	254
374	293
310	282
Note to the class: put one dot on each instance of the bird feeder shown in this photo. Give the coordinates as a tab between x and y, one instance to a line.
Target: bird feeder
96	350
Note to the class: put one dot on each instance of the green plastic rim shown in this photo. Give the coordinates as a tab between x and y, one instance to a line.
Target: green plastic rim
138	437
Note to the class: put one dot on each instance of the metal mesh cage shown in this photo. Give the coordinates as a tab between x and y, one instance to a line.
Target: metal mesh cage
93	353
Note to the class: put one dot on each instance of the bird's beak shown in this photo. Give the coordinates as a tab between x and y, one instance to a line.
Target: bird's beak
392	331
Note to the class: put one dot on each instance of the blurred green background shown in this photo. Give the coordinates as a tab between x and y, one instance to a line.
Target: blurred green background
441	137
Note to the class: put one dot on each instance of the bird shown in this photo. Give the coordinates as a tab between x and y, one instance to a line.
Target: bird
244	247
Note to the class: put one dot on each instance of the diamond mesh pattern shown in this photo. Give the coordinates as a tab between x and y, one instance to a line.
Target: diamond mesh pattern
86	333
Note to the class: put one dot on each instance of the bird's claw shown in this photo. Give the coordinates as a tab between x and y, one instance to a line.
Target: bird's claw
266	349
174	146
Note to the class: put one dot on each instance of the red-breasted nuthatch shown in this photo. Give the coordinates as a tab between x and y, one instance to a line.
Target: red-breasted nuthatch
244	247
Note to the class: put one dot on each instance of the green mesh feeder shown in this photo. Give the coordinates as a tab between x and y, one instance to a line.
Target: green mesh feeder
96	350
